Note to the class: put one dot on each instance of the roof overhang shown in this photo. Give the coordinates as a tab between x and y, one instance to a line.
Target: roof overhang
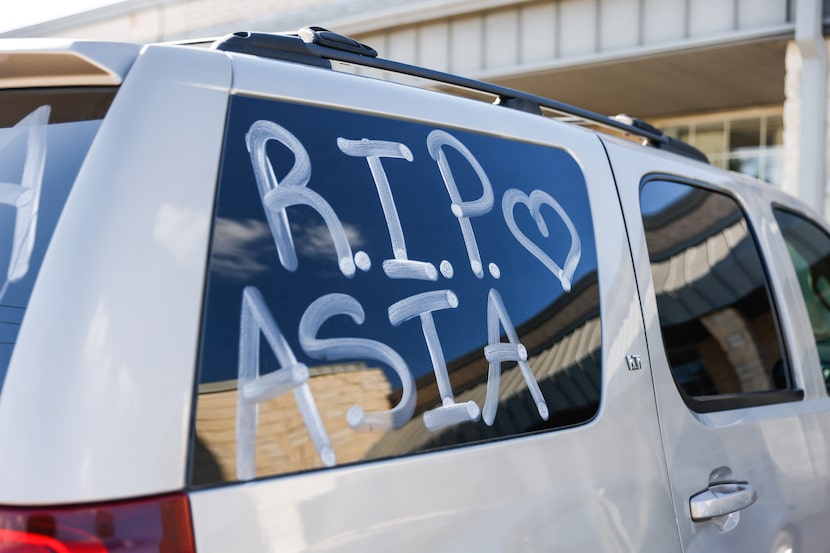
694	80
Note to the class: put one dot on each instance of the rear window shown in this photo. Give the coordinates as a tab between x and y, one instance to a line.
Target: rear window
44	137
380	288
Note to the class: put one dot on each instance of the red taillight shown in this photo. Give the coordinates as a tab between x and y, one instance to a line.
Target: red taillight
154	525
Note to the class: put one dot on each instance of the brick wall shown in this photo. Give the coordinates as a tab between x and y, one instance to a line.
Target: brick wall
283	443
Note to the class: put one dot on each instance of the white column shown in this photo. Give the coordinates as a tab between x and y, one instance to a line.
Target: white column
805	109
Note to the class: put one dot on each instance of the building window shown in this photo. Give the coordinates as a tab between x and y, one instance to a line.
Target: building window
748	141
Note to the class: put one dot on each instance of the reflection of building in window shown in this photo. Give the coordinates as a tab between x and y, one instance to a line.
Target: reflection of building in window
717	323
564	353
737	341
748	141
283	442
563	343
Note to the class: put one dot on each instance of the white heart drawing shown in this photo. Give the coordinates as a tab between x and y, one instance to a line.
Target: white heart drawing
533	202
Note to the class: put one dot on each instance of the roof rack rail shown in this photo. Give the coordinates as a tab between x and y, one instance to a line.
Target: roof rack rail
317	46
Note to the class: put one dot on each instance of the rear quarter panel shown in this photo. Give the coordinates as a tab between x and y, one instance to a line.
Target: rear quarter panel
96	404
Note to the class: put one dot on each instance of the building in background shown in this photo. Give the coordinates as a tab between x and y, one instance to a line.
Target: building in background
744	80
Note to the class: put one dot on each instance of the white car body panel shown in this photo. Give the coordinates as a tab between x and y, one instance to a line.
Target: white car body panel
110	338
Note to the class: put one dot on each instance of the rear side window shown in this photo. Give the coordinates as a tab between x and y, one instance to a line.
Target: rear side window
809	247
380	288
44	137
716	313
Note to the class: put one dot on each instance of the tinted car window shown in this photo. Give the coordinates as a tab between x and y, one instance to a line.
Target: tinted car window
44	138
379	288
717	319
809	248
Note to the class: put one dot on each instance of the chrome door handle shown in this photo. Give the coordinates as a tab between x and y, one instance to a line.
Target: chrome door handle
722	499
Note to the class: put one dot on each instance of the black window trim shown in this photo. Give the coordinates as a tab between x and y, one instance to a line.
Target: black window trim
727	402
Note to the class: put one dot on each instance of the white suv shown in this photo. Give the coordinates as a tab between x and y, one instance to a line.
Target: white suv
253	303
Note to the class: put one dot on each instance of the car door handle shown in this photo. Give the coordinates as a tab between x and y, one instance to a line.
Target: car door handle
722	499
